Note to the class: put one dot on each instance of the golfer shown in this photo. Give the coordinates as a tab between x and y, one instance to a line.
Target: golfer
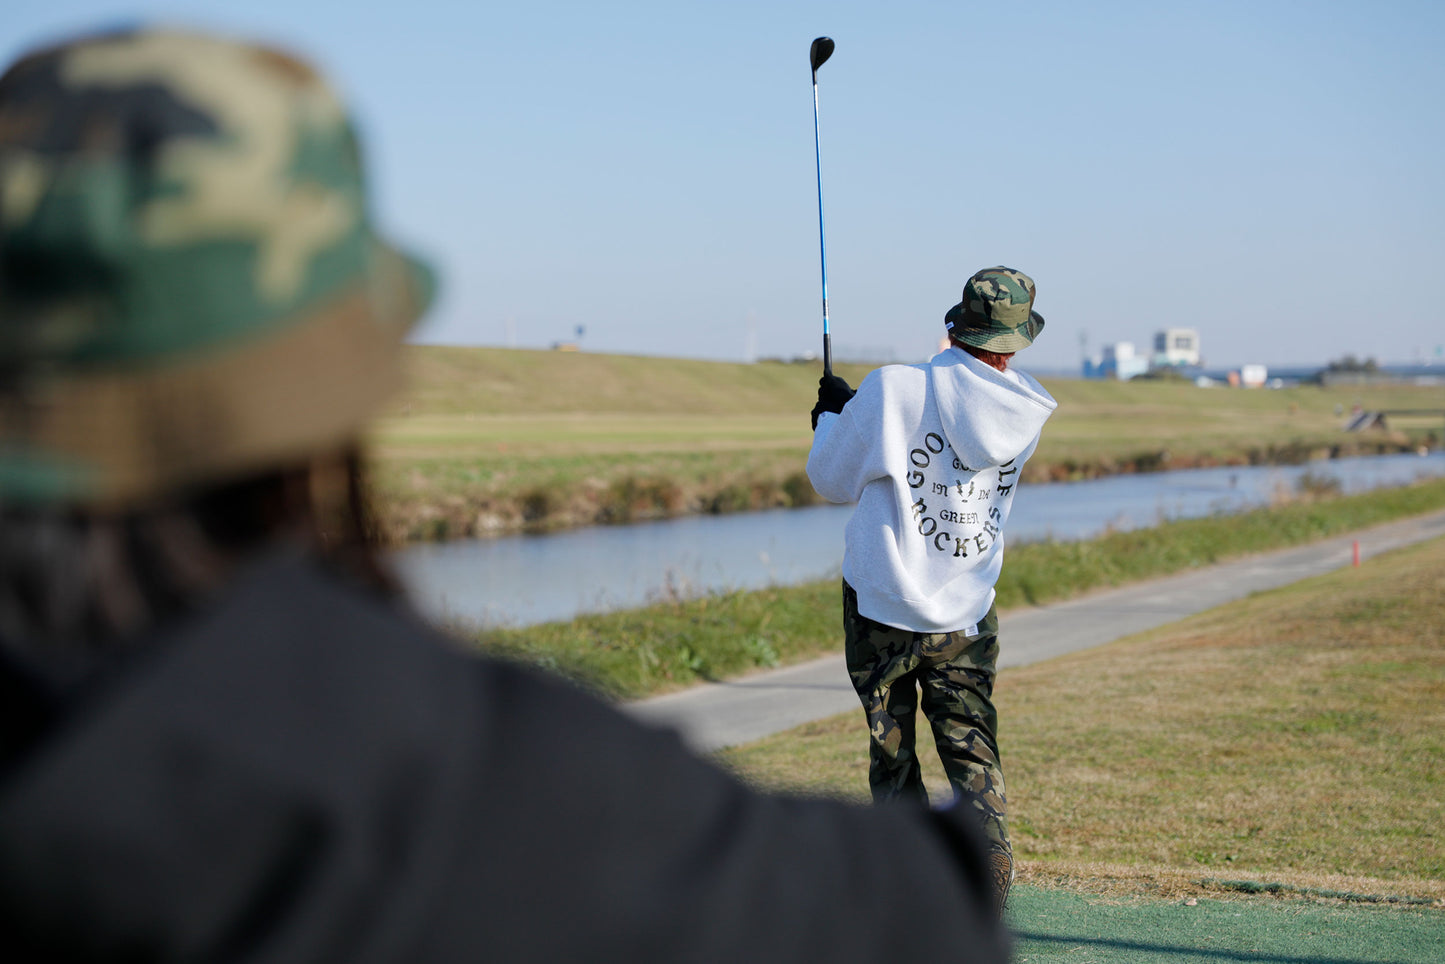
223	735
932	455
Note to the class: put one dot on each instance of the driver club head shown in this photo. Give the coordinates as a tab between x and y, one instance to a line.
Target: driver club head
821	50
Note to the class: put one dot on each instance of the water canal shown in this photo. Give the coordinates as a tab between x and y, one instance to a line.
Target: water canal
522	580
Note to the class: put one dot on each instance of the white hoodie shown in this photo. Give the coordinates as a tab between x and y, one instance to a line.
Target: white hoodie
931	453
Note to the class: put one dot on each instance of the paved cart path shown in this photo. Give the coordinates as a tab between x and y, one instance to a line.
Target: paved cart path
716	715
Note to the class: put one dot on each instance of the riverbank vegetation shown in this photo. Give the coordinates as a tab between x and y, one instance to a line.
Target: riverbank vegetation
682	642
1289	743
489	441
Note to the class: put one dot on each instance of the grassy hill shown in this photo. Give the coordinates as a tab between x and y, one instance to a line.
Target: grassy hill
493	440
499	381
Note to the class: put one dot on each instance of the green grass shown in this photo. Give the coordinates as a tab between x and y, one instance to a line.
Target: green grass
1295	737
507	382
1119	419
680	643
489	440
1036	573
674	644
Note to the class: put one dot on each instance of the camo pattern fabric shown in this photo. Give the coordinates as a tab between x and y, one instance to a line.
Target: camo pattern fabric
134	163
168	198
996	311
955	673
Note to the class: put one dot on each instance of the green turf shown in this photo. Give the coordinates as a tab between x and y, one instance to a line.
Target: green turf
1061	927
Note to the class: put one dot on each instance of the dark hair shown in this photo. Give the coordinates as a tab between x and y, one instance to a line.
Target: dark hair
993	358
88	580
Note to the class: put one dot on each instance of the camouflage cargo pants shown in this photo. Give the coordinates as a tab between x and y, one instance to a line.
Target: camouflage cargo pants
955	673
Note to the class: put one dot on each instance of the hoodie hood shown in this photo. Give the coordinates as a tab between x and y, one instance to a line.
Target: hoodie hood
989	416
932	454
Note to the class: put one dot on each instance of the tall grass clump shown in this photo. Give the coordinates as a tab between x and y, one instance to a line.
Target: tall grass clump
678	643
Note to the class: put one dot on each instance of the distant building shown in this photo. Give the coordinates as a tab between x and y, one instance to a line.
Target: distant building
1176	348
1119	361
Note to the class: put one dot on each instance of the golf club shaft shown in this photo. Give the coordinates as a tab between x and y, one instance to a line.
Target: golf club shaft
822	244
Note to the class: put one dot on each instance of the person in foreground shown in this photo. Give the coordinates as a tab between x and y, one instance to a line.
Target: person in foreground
932	455
223	735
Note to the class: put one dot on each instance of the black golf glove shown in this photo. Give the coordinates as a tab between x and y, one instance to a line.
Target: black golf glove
833	394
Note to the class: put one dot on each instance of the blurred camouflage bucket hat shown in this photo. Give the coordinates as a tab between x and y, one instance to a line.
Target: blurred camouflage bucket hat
190	284
996	313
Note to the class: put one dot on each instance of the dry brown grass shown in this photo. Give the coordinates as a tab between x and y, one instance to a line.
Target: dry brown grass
1296	737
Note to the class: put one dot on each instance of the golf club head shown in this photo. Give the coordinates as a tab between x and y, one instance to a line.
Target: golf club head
821	50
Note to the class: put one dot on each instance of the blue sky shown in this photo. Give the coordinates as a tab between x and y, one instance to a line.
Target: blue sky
1268	172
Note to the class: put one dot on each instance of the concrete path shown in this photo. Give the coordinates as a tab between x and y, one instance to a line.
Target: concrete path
717	715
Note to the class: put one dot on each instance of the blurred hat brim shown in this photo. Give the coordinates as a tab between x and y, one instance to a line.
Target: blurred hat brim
119	436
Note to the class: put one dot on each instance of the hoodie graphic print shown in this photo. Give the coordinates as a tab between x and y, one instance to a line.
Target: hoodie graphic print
932	455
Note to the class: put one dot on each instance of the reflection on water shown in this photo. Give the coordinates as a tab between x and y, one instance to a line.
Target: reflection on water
522	580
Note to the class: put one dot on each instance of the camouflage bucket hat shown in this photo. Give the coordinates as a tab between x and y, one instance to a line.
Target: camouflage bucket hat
996	313
190	284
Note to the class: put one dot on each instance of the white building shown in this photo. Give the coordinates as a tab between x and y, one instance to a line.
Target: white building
1175	347
1119	361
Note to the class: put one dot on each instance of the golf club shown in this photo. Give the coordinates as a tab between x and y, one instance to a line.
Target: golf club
821	50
